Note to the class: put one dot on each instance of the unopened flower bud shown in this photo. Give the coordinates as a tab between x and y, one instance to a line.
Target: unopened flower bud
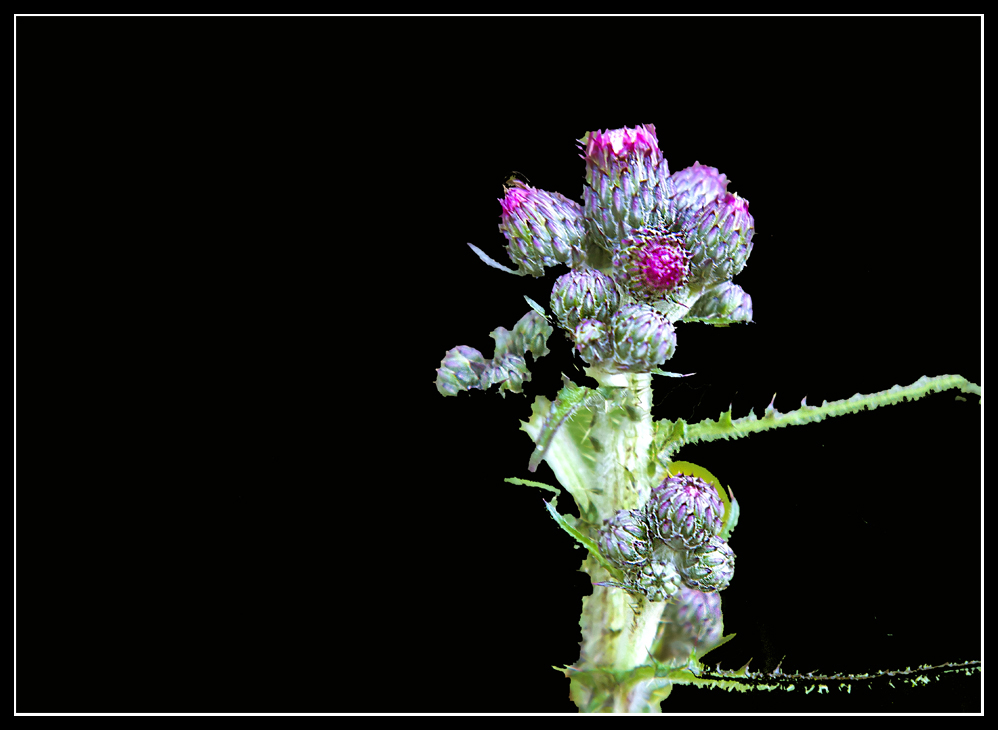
461	369
583	294
628	184
685	509
593	341
658	580
508	371
709	567
719	237
541	228
642	338
724	303
623	539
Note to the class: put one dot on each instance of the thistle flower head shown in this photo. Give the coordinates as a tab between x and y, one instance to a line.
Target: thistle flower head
623	539
642	338
719	238
685	509
583	293
542	229
627	183
723	304
461	369
709	567
515	196
592	341
650	264
658	580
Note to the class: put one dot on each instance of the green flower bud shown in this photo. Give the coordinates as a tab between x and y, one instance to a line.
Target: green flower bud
508	371
642	338
541	228
461	369
724	304
684	511
692	620
657	580
583	294
709	567
623	539
593	342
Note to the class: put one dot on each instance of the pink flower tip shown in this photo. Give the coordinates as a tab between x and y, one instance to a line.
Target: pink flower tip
731	200
515	196
623	142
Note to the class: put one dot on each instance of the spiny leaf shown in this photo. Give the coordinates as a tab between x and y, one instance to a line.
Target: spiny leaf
721	642
569	457
570	398
744	679
671	437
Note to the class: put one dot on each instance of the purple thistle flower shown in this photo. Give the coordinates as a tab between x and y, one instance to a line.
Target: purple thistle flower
627	183
602	147
650	265
542	229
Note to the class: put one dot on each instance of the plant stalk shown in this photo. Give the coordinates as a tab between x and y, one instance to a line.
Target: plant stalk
618	629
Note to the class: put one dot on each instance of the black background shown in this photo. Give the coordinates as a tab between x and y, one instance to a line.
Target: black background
242	256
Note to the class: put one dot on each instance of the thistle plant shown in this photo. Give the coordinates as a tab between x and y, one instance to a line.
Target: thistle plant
645	251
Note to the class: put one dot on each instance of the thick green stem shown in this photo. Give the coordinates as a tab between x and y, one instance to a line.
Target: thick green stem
618	628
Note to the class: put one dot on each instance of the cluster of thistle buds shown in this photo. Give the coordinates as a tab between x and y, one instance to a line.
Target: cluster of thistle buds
672	543
645	250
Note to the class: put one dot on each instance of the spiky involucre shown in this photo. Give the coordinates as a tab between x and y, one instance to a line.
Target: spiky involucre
650	264
695	188
642	338
623	539
508	371
583	293
593	341
685	508
719	239
658	580
725	303
709	567
627	183
542	229
461	369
